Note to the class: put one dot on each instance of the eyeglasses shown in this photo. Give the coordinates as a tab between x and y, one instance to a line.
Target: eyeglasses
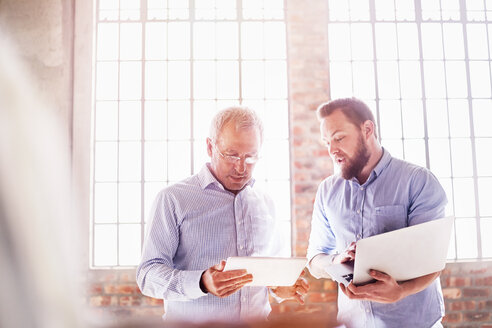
234	159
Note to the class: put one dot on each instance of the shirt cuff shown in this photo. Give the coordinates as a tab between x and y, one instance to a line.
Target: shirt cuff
277	298
191	284
318	269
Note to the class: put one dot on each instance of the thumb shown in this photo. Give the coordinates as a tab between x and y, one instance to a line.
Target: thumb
220	266
378	275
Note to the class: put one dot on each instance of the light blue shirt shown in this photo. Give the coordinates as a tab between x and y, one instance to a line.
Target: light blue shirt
397	194
194	224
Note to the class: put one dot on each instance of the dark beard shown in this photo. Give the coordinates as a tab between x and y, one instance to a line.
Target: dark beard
355	165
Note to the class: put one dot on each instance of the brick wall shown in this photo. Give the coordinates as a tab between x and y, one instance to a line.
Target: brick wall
467	286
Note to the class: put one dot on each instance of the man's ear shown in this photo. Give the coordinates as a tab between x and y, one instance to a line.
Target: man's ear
209	147
368	128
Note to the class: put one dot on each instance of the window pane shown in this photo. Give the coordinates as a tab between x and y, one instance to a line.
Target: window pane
107	81
178	120
178	80
456	79
276	119
434	79
155	80
483	148
477	38
385	10
150	193
440	160
252	40
155	120
107	41
339	43
130	80
274	34
204	80
482	116
361	41
453	41
156	41
179	169
338	10
390	114
461	157
130	41
464	197
437	119
155	161
178	40
280	193
448	188
394	146
340	80
253	80
129	244
486	230
227	40
106	120
480	79
106	163
386	44
466	235
105	202
228	79
203	111
411	87
204	40
484	188
129	199
459	122
432	41
200	154
129	161
388	80
276	154
415	151
275	79
364	83
285	233
105	246
130	118
405	10
413	119
409	49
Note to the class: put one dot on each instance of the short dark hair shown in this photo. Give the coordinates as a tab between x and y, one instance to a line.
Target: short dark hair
356	111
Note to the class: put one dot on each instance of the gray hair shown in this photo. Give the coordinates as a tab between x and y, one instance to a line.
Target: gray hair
242	117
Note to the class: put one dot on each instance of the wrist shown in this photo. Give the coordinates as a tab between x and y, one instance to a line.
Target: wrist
202	285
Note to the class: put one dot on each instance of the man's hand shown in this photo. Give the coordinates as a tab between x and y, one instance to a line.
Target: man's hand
347	255
295	292
223	284
386	289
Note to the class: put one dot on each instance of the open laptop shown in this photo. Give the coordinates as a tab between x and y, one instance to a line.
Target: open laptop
404	254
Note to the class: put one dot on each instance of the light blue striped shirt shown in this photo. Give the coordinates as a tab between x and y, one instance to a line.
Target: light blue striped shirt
397	194
194	224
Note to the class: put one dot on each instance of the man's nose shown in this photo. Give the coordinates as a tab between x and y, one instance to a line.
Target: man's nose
240	165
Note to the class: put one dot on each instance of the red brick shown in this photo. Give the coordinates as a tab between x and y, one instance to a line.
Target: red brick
152	301
330	285
486	281
475	292
126	289
462	305
127	277
451	293
95	289
453	318
110	289
317	297
103	300
458	281
485	305
130	300
477	316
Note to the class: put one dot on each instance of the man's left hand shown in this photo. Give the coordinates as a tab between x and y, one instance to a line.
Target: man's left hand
384	290
295	292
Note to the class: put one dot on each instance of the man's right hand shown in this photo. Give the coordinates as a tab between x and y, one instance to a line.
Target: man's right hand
347	255
222	284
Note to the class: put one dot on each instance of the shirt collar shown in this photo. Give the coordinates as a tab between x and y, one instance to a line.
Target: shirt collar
383	162
206	178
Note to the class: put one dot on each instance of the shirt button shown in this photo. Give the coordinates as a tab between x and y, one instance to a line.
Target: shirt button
358	211
367	310
361	188
241	247
359	235
243	299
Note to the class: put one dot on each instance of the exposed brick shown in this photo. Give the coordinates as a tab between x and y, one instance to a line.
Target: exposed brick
485	305
475	292
458	281
126	289
130	300
477	316
103	300
317	297
486	281
451	293
462	305
330	285
152	301
95	289
453	318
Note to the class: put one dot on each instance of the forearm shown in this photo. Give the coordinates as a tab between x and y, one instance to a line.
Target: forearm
416	285
318	264
158	280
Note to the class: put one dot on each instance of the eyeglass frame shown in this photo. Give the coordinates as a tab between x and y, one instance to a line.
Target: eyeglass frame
235	159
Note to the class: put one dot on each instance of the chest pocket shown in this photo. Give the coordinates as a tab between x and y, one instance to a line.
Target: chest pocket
390	217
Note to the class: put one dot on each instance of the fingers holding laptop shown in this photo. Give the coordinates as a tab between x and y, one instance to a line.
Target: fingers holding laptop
295	292
384	290
219	283
347	255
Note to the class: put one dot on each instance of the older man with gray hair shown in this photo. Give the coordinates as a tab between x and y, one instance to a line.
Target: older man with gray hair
197	223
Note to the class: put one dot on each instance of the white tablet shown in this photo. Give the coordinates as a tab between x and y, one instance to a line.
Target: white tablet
269	271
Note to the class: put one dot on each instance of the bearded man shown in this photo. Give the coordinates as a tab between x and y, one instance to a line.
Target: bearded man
373	193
